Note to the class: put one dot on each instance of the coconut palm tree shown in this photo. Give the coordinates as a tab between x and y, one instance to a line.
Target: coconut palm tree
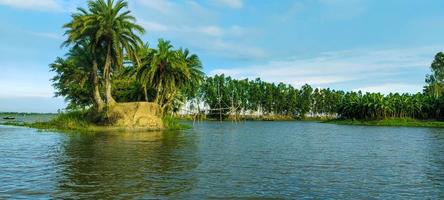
195	69
162	70
110	28
169	71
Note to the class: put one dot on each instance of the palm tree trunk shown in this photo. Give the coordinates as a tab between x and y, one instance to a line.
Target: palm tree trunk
159	97
145	92
107	76
96	92
167	100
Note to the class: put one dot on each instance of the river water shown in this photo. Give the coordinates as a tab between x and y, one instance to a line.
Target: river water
248	160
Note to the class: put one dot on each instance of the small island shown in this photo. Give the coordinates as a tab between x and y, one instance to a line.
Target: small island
112	80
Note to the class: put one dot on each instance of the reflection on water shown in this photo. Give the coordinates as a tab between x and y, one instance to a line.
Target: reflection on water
139	165
284	160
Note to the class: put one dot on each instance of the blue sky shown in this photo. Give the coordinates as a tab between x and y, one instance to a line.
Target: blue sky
369	45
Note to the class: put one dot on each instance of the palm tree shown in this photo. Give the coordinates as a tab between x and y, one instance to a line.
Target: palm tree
91	58
169	71
195	69
109	28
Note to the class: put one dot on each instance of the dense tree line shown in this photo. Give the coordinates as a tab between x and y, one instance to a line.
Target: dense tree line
226	96
426	105
355	105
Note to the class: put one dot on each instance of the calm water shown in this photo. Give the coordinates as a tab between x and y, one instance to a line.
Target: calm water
281	160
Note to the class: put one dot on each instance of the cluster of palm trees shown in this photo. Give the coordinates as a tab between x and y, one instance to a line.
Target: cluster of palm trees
173	74
106	51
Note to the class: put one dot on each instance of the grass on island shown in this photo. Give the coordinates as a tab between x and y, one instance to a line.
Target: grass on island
81	121
173	123
407	122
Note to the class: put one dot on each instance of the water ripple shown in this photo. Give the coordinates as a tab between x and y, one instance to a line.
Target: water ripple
276	160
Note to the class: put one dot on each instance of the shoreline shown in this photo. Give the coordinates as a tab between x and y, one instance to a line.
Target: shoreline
46	126
173	124
393	122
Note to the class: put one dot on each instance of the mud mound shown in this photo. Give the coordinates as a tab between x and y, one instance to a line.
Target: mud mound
137	115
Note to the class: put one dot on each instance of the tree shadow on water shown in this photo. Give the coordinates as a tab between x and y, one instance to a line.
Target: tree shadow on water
126	165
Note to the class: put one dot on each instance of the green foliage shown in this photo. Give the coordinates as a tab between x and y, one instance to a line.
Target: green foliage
108	30
72	79
408	122
226	96
73	120
128	89
175	74
435	81
86	120
103	36
373	106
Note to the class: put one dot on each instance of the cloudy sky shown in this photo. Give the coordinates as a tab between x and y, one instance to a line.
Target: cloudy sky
369	45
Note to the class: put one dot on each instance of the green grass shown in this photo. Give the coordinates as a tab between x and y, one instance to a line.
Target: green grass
407	122
172	123
62	121
75	120
81	121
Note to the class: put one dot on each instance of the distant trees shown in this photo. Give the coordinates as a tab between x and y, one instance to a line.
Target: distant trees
435	81
236	98
355	105
226	96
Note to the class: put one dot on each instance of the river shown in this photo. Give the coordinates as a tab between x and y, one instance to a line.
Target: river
247	160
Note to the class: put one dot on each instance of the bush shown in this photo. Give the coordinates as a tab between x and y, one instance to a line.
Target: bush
65	121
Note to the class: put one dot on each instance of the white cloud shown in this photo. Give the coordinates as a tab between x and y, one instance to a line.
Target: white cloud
196	26
232	3
370	70
209	39
211	30
392	87
53	36
232	50
162	6
154	26
45	5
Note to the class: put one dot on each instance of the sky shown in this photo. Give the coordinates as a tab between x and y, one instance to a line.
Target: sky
370	45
